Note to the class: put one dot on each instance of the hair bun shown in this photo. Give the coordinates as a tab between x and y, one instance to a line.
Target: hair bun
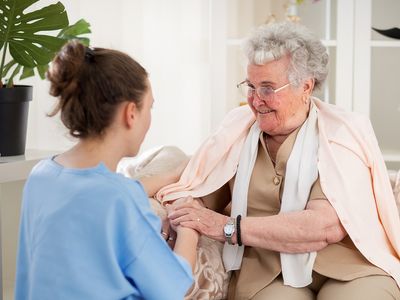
65	69
90	84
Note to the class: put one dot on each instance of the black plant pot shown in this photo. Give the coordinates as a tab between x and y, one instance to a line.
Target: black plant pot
14	106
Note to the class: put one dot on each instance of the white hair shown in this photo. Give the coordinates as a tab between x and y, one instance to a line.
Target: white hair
308	56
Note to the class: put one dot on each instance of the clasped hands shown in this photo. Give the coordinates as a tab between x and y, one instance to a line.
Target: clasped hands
191	213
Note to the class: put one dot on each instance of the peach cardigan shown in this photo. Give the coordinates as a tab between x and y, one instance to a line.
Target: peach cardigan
352	173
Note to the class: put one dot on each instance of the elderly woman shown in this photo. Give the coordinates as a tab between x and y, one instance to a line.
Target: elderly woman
312	214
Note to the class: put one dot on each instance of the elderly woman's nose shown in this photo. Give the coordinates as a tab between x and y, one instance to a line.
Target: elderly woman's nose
256	101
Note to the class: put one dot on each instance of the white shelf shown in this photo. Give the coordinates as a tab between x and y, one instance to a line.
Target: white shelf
393	44
14	168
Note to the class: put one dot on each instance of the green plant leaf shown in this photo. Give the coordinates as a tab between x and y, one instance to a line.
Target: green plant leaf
21	34
74	30
10	82
25	46
42	71
26	72
7	67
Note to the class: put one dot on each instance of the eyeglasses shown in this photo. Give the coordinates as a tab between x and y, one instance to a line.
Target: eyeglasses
263	92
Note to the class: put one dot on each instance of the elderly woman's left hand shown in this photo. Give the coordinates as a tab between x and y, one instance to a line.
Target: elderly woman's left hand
193	215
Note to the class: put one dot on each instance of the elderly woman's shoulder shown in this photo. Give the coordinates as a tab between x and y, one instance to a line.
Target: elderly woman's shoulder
331	110
339	122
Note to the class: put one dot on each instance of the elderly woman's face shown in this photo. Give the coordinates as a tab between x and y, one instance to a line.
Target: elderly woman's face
281	112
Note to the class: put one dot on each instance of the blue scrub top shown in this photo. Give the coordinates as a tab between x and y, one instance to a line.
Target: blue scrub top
91	234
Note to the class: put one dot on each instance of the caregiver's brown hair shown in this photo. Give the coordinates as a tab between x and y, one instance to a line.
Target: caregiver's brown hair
90	83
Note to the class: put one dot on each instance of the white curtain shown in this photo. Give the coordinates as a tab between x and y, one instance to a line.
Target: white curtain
171	40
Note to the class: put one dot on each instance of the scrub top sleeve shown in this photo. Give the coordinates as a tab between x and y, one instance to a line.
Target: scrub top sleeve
158	273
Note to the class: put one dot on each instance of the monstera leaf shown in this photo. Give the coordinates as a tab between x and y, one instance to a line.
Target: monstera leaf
71	32
20	34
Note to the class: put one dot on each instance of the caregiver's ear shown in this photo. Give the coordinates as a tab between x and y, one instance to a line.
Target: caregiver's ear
130	113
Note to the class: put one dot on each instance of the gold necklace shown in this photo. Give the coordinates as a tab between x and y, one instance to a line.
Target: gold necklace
269	152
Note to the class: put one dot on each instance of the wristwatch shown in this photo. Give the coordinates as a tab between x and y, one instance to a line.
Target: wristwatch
229	230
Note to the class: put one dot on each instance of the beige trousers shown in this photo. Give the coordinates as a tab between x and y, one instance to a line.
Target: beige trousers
376	287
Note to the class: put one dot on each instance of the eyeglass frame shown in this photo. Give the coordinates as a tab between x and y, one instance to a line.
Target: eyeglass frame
255	90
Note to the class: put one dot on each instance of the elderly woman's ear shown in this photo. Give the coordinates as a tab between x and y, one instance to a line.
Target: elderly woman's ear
308	87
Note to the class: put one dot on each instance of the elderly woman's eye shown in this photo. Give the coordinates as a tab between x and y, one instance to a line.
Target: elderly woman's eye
266	90
250	88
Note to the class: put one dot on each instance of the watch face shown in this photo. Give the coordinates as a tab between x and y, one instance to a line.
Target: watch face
229	229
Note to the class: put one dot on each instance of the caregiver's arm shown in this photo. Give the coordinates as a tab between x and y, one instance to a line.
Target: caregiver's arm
186	244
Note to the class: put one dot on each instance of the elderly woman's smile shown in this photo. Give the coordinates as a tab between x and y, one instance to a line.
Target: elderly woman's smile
263	110
278	104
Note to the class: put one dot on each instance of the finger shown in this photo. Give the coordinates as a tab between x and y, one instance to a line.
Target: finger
171	242
204	229
182	200
180	212
193	225
165	227
187	217
164	235
185	205
169	207
195	203
190	204
180	219
172	233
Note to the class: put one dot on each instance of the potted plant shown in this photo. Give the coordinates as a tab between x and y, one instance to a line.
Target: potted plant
25	51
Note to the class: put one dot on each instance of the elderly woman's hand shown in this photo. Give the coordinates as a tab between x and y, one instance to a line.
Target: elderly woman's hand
193	214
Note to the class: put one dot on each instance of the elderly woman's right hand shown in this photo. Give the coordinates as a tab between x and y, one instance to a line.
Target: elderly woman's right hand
193	214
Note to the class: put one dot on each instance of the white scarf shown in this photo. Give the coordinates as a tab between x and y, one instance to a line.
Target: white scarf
301	173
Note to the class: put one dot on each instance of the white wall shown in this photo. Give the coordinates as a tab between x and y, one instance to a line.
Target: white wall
170	39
